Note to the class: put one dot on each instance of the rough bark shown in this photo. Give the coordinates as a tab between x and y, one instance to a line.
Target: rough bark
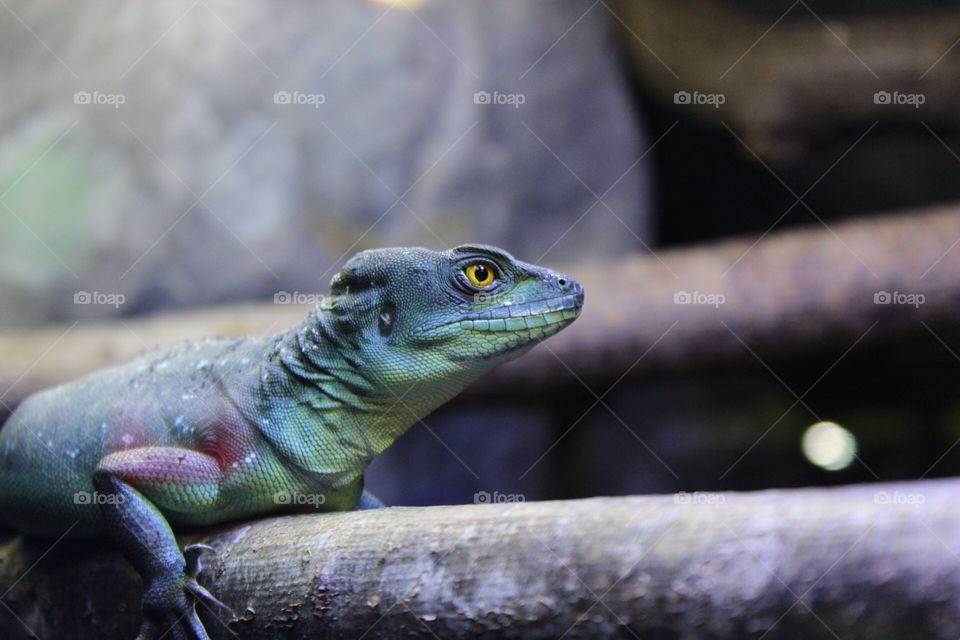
785	80
783	294
865	561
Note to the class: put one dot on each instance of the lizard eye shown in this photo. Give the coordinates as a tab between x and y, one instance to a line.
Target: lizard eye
386	319
480	273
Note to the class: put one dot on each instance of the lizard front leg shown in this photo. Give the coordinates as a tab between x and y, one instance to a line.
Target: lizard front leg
135	485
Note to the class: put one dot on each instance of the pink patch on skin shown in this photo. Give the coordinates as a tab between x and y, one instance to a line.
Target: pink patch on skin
229	441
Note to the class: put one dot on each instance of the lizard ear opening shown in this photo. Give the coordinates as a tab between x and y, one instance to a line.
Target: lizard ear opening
386	319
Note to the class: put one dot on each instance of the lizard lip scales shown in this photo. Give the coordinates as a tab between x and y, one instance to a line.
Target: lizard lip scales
519	316
522	316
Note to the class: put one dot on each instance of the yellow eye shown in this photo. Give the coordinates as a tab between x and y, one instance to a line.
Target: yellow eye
480	274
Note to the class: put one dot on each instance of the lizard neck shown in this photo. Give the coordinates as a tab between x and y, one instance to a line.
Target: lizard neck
319	407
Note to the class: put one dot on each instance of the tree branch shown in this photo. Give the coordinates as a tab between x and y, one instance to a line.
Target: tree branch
864	561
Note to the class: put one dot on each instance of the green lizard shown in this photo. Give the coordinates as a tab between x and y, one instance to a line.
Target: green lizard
227	428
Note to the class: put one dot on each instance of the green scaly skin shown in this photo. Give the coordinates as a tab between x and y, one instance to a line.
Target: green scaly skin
228	428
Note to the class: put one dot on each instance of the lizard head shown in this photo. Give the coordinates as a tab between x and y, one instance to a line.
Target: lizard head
416	315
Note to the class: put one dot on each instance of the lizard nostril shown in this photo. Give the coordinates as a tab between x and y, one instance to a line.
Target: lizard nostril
562	282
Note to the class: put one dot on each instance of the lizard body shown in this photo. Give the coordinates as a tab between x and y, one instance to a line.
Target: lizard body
225	428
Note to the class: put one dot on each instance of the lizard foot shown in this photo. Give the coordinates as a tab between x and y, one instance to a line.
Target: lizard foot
169	608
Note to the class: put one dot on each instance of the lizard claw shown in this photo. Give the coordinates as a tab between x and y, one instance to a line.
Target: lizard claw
203	595
200	548
185	627
192	554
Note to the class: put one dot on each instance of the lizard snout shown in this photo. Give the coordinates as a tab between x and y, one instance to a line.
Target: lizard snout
565	286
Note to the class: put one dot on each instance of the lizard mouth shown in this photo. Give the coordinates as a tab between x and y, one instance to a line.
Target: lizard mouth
520	315
518	321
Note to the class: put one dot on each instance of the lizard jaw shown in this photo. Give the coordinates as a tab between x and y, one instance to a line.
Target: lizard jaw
509	326
513	315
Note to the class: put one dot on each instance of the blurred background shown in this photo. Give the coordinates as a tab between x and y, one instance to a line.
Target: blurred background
759	197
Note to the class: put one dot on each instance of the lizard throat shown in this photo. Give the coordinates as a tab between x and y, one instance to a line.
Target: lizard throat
325	417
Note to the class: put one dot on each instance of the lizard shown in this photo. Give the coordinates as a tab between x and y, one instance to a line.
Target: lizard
221	429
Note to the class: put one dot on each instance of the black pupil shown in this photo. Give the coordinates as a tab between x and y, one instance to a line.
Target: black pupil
481	273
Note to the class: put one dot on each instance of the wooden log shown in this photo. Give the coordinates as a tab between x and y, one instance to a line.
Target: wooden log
864	561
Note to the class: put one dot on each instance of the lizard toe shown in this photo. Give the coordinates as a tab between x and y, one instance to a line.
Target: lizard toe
203	595
171	625
192	554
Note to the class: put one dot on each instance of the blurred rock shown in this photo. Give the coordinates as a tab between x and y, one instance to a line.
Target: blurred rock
184	153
